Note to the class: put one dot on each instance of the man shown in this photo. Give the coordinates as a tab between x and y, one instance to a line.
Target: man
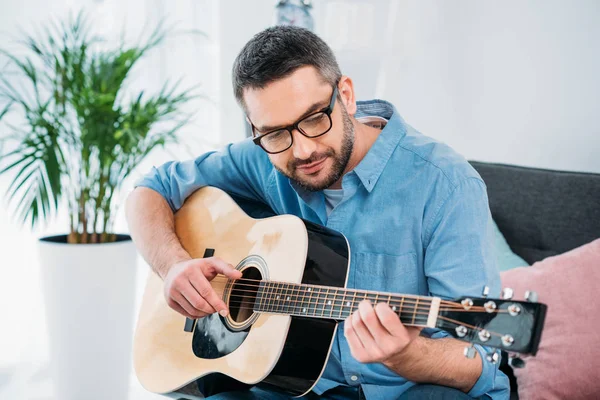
415	213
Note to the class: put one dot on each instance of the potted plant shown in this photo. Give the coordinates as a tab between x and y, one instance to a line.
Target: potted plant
78	136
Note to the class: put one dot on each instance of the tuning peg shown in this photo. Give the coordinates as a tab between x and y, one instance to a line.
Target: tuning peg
485	291
470	351
492	357
531	296
507	293
516	362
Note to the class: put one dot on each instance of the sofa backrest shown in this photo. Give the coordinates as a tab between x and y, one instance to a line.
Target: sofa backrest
542	212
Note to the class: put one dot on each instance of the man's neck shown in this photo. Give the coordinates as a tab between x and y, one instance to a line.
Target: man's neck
364	137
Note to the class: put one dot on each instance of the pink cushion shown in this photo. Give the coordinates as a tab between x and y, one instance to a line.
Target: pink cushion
567	365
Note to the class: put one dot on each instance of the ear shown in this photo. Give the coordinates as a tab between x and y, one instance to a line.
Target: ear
346	90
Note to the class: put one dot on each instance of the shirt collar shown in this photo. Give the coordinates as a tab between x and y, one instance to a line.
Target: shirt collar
371	166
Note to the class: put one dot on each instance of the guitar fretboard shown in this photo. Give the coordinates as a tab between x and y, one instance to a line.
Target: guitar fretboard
338	303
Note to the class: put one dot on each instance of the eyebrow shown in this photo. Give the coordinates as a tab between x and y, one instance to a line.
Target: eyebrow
311	109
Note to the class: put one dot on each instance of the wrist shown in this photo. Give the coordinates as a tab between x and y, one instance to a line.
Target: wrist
402	361
163	269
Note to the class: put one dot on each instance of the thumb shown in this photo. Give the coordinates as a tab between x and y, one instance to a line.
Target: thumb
220	266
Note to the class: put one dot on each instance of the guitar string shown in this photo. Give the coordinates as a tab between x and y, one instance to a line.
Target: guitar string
445	319
424	305
298	291
404	306
304	289
328	313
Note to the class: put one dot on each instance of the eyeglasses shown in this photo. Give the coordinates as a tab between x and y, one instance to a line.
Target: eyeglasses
312	126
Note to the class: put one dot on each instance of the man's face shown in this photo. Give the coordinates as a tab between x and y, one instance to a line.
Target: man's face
314	163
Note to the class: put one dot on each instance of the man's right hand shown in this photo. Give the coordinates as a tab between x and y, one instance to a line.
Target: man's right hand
187	286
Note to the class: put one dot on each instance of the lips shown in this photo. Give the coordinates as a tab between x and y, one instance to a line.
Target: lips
312	167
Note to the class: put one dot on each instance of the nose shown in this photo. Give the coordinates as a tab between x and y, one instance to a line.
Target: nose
303	147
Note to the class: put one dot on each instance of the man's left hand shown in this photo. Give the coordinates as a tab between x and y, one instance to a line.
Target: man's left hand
376	334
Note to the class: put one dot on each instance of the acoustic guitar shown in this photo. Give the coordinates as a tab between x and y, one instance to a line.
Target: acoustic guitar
285	309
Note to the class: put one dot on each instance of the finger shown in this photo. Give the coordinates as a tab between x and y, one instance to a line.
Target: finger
197	301
180	310
356	347
181	300
220	266
206	291
371	322
389	320
363	333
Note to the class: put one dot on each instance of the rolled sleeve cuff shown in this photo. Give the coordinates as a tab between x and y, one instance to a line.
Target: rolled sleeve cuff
151	181
487	379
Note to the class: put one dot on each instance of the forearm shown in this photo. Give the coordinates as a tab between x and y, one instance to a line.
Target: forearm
152	228
437	361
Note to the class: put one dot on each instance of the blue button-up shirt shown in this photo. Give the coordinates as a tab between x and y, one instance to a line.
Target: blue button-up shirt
416	216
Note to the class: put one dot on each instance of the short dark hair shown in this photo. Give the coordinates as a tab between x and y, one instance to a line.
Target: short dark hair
276	53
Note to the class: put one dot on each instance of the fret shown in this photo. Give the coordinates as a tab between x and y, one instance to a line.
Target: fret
371	297
389	301
303	306
298	289
279	298
275	303
286	298
319	307
353	304
334	295
401	308
325	303
269	299
342	305
376	299
316	293
337	302
293	301
267	296
259	297
415	311
312	305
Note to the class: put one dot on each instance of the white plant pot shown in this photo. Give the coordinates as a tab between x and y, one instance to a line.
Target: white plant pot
89	295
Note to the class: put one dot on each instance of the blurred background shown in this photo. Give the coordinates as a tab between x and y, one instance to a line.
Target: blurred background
510	82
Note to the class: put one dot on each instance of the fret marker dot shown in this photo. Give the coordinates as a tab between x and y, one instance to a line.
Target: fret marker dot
277	297
347	304
329	303
309	289
394	308
288	297
304	310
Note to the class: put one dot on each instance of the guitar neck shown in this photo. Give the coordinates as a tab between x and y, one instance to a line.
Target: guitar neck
339	303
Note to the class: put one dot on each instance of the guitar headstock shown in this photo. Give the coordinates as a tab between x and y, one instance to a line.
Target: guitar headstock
513	326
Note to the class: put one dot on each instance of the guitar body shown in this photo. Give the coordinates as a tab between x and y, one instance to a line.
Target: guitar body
246	347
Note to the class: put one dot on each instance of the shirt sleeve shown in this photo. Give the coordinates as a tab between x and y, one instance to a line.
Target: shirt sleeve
241	169
459	261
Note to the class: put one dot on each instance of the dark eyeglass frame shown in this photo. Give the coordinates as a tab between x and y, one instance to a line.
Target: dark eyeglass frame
327	111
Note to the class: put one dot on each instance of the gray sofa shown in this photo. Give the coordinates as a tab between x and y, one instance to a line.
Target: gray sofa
541	213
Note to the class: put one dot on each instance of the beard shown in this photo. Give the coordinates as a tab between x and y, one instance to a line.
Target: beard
340	161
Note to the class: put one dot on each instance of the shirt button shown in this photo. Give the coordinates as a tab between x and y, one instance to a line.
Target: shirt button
354	378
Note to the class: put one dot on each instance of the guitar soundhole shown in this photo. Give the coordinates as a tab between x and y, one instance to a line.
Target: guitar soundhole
243	295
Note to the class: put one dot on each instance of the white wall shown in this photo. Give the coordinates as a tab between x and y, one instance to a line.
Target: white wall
511	81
